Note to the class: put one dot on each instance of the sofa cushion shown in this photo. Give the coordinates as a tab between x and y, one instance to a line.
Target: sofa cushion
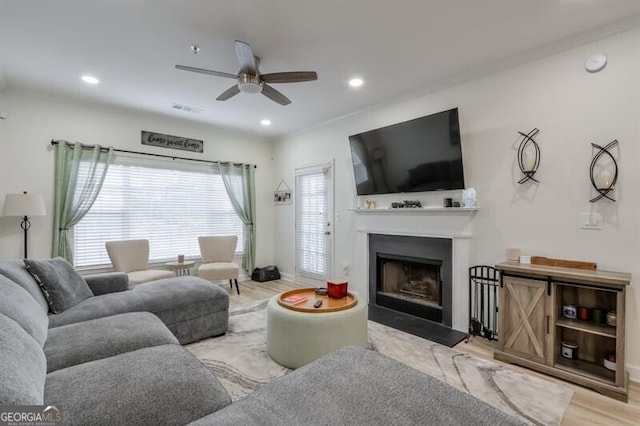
61	285
174	300
23	366
20	306
104	337
198	328
15	270
107	282
360	387
150	386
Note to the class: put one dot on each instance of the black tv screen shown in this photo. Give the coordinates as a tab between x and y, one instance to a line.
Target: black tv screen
423	154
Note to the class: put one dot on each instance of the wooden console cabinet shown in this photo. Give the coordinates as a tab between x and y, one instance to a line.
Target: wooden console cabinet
532	326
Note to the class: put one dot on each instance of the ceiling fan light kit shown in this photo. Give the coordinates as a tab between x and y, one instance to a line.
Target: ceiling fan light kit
249	79
249	83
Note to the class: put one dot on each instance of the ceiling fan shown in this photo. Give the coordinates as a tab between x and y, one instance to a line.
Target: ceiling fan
249	78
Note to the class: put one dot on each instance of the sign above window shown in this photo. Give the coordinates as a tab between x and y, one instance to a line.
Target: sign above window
174	142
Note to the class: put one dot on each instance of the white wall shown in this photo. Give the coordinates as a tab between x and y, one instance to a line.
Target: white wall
27	161
571	107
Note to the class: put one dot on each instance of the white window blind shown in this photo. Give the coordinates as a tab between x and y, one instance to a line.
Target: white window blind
311	223
168	203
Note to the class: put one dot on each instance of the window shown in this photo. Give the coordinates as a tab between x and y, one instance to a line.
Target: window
170	204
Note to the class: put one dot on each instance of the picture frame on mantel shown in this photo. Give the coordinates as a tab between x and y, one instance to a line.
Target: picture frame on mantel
282	194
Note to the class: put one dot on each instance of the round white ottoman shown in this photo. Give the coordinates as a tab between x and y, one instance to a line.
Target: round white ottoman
297	338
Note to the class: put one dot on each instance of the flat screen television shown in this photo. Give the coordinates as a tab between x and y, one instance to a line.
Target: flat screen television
423	154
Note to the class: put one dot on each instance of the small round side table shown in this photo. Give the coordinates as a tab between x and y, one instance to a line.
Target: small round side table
180	268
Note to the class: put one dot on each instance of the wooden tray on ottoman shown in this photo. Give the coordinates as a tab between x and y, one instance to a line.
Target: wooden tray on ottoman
328	304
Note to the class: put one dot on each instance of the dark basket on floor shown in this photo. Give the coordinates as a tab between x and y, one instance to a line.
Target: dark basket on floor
268	273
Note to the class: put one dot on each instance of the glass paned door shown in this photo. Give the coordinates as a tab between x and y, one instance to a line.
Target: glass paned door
313	224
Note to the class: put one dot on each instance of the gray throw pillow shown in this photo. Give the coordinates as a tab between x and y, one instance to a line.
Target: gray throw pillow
61	285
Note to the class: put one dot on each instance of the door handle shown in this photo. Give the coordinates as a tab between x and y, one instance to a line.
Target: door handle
327	233
548	324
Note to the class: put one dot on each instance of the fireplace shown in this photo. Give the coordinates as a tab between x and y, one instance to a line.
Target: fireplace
448	231
410	284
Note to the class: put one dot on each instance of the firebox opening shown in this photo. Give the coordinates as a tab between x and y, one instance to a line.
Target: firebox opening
409	284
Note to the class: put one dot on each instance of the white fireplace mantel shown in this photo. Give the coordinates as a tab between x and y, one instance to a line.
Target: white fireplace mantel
451	222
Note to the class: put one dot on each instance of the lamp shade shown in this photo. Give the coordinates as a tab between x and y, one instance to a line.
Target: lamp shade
23	205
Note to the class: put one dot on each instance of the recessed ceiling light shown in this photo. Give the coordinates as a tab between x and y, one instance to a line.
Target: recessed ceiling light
356	82
89	79
265	122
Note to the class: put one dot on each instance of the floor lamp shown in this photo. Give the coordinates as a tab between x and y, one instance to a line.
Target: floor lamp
24	205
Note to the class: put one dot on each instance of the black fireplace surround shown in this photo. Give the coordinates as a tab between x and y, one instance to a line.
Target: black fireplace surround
425	264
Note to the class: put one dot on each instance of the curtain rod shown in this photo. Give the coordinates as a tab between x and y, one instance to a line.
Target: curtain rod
55	142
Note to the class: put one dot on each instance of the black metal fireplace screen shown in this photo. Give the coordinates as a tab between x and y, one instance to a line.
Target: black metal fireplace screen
483	301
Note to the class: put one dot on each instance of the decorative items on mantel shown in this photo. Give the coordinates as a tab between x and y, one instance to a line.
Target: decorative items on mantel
528	156
416	210
603	175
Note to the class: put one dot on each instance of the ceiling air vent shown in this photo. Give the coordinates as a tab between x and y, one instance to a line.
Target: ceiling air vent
187	108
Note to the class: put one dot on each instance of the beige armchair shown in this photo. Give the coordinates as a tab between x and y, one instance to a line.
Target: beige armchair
217	255
132	257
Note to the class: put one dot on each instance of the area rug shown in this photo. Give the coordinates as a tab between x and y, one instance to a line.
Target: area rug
239	359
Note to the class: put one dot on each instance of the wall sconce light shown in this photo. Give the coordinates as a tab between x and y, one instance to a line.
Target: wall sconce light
528	156
603	175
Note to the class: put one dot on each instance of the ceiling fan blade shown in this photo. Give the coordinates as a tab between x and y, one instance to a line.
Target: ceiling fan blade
246	58
274	95
289	77
206	71
230	92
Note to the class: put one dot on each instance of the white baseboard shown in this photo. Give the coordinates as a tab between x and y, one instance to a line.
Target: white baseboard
634	372
287	277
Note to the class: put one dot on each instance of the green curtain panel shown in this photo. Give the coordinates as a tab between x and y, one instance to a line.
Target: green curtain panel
240	183
80	171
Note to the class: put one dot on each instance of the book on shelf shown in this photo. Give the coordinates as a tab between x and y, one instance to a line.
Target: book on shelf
294	300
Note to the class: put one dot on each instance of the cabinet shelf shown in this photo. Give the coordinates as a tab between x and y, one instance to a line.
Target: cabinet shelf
586	327
588	369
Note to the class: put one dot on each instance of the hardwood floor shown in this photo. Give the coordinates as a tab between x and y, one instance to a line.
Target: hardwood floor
587	407
251	291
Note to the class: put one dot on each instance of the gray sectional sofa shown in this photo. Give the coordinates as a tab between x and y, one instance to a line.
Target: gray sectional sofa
116	358
357	386
190	307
